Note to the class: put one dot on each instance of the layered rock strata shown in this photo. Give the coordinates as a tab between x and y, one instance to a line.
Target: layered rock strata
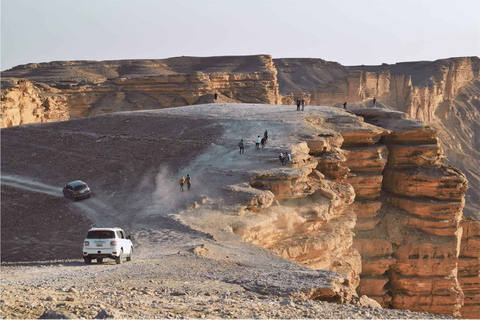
469	268
310	223
92	87
406	86
406	213
25	102
418	239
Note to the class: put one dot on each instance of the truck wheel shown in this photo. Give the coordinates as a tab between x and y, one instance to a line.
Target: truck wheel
129	258
99	260
119	259
87	260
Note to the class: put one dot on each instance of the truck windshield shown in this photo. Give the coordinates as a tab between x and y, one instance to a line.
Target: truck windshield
100	234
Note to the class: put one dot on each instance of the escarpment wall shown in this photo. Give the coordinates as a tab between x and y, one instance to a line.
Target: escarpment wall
92	87
309	223
415	254
24	102
394	86
374	185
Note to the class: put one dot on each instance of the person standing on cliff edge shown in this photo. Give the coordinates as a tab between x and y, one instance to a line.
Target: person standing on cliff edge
374	101
345	105
241	146
298	104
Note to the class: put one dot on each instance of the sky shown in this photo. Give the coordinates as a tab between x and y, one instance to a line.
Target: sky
351	32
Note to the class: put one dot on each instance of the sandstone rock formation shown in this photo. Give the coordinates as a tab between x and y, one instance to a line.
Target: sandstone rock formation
406	214
444	92
25	102
411	254
404	233
469	268
92	87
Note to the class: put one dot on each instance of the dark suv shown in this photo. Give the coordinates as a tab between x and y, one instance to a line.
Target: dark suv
76	190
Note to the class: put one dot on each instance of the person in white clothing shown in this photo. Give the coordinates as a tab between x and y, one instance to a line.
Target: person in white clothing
257	143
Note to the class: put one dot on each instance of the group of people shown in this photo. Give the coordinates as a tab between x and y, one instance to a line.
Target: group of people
284	158
301	103
188	180
258	142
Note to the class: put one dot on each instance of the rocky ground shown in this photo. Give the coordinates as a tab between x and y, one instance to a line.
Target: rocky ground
132	162
180	284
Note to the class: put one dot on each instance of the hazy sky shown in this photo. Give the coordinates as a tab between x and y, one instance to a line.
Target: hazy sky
347	31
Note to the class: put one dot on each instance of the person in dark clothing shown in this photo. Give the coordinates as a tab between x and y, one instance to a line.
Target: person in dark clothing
345	105
280	157
298	104
374	101
242	147
303	104
262	142
188	180
215	96
265	135
286	158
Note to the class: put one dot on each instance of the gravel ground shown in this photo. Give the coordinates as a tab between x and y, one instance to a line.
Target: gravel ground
172	285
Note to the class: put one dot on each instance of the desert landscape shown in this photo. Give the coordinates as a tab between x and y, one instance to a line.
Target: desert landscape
365	220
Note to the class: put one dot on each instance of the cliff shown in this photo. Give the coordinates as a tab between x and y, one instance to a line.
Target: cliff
365	196
25	102
92	87
418	236
445	93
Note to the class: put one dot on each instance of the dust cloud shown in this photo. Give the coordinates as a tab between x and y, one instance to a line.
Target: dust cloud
31	185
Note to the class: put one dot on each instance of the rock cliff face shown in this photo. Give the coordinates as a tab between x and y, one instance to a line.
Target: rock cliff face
93	88
25	102
395	86
379	189
469	268
445	93
418	236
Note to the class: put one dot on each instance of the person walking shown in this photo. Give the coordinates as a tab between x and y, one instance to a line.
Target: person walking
280	157
374	101
262	142
265	135
303	104
345	105
182	182
298	104
241	146
257	143
188	180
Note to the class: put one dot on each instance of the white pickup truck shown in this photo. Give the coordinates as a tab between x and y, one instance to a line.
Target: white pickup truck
107	243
